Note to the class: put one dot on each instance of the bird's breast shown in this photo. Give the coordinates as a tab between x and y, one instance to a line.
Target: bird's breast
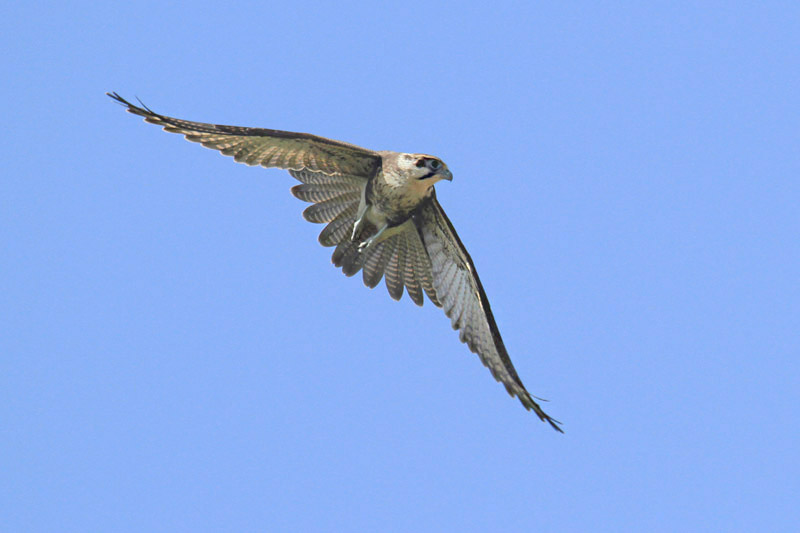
397	198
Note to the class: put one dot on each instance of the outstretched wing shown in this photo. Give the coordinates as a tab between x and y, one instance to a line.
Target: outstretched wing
461	294
333	176
269	148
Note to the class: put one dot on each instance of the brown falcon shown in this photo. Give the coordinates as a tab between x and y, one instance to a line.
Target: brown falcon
383	218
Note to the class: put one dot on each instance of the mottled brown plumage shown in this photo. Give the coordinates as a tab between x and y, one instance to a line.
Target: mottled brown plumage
382	217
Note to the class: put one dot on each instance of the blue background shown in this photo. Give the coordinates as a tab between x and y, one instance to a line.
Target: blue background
179	355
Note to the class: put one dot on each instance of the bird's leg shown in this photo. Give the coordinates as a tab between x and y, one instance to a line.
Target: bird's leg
366	244
360	216
357	227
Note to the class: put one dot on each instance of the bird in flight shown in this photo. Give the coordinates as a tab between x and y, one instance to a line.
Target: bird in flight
382	217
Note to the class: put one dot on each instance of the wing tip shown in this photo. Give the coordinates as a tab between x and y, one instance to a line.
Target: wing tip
529	404
142	111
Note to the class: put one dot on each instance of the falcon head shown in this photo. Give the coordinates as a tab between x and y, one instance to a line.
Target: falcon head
424	169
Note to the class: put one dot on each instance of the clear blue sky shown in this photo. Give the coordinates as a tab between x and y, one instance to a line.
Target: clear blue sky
178	354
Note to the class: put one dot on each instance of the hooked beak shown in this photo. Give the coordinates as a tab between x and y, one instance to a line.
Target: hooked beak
446	175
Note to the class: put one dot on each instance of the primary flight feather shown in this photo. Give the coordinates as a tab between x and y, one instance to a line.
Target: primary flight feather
382	217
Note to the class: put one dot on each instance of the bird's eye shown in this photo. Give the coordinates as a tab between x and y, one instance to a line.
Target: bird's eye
434	164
